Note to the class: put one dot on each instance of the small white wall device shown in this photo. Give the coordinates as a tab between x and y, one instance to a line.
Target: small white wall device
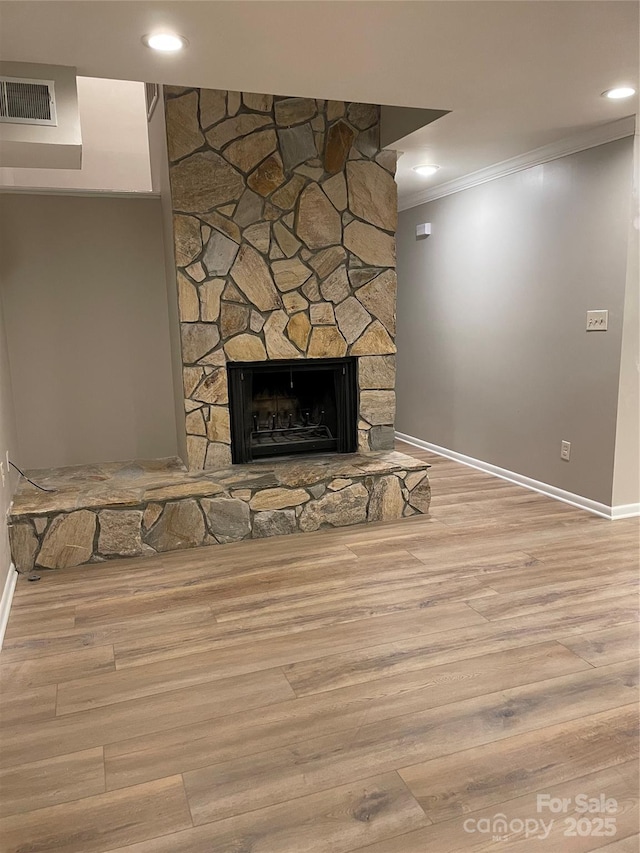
423	230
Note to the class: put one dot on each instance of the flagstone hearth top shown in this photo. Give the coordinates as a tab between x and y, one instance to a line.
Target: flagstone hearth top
140	481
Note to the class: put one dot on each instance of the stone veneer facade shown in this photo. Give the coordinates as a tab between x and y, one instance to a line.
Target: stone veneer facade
284	214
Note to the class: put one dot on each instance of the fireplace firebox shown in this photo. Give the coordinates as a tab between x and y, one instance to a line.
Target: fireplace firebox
280	408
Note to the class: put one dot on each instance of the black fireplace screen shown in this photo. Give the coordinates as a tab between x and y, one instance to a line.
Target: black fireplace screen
283	407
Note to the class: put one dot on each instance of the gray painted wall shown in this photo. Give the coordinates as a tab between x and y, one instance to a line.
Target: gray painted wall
493	358
84	294
7	443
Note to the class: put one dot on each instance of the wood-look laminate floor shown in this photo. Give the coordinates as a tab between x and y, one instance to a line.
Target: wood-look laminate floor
388	688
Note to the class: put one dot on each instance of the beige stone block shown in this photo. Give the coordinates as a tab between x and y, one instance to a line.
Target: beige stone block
299	329
234	319
196	452
290	111
151	514
311	290
210	293
203	181
339	139
377	372
373	194
370	244
412	479
274	523
289	274
188	302
234	128
318	222
294	302
196	272
326	342
420	495
379	298
374	341
286	197
228	519
336	287
339	483
247	152
352	319
187	239
362	116
336	189
325	262
181	525
339	509
256	322
245	348
234	102
191	376
120	533
286	240
183	129
213	106
378	407
268	176
322	314
255	101
213	388
68	540
278	498
278	346
197	340
221	223
24	545
218	456
386	501
335	109
195	423
252	275
259	235
218	428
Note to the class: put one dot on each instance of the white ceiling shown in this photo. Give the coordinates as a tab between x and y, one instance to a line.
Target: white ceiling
515	75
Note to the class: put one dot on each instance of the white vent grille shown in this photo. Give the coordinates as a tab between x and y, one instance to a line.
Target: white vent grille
27	101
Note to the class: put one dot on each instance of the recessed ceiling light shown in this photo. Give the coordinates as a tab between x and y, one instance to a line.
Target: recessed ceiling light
619	92
165	42
426	170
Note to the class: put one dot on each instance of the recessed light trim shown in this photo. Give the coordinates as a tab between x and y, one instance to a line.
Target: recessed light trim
165	42
619	92
426	169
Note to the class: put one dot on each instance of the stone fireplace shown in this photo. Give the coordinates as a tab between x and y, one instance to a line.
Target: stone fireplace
284	215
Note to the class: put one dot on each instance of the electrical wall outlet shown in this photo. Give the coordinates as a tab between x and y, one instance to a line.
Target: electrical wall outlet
565	450
597	321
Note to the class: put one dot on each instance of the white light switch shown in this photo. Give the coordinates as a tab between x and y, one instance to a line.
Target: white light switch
597	321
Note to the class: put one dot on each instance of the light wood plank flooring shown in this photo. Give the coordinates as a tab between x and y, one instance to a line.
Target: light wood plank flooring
388	688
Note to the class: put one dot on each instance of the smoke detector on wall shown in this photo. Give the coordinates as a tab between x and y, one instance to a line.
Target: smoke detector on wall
25	101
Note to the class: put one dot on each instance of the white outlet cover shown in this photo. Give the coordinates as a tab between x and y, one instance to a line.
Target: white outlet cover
597	321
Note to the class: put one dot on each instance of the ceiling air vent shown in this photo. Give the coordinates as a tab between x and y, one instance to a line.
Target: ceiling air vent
27	101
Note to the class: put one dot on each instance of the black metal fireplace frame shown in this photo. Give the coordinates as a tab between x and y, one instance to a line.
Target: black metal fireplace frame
240	378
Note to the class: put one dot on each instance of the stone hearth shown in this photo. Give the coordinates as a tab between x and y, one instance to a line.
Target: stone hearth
128	509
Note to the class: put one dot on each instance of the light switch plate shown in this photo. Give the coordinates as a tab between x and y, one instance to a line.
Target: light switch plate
597	321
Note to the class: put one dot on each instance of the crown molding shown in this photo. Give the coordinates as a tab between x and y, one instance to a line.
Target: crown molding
569	145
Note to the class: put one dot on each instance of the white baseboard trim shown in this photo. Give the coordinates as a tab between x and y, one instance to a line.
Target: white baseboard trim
625	511
611	513
7	598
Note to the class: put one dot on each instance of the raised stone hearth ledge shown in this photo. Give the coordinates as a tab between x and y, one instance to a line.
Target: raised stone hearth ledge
129	509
